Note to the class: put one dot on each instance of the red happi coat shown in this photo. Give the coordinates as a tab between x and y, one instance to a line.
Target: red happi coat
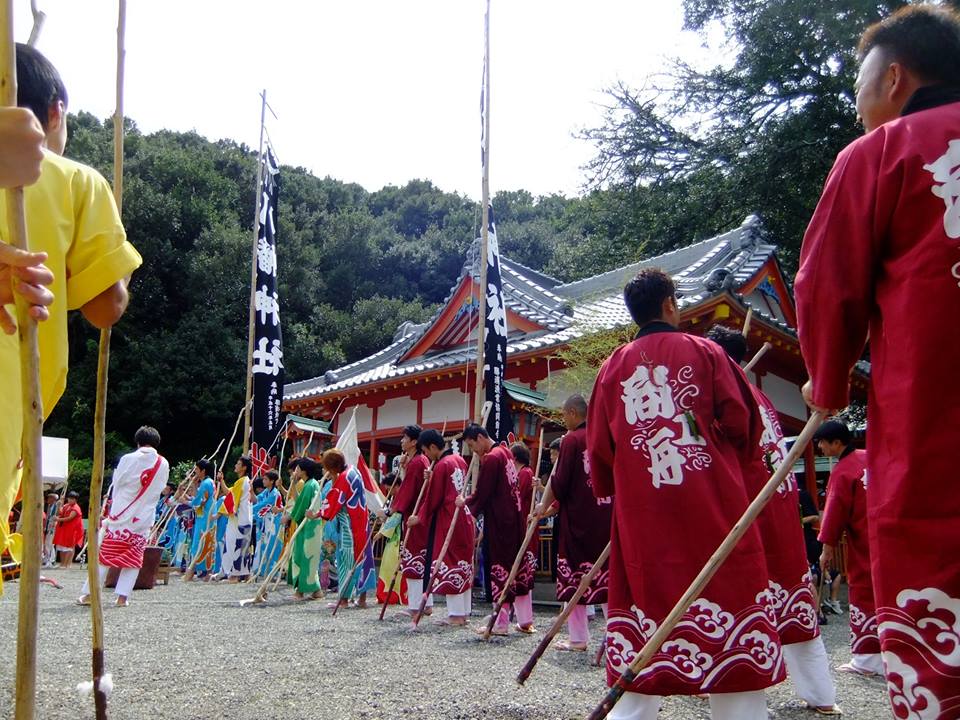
343	493
669	426
882	257
846	510
69	533
583	520
791	585
414	550
527	573
455	569
497	498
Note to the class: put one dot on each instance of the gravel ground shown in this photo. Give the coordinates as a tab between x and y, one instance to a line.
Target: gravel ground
190	651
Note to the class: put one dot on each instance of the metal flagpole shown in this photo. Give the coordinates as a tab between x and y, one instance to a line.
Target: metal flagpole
253	278
484	215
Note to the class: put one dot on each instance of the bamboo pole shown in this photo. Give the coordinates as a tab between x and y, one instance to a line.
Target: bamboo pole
38	19
403	542
251	323
756	358
532	524
564	614
32	481
484	215
653	645
746	323
98	661
472	471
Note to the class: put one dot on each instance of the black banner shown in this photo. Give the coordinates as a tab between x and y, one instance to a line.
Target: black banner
499	422
267	365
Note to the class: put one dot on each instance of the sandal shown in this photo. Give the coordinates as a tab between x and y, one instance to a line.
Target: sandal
825	709
565	646
852	669
83	601
526	629
482	629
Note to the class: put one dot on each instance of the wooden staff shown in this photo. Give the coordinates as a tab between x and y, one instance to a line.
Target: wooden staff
403	542
195	558
100	411
435	563
653	645
532	524
564	614
31	439
756	358
262	591
746	323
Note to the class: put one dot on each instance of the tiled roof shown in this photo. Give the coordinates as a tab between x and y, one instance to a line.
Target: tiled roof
565	311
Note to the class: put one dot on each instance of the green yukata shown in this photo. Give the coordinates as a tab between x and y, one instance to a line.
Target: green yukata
303	572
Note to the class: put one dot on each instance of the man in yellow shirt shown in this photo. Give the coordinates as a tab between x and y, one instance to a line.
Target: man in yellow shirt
72	217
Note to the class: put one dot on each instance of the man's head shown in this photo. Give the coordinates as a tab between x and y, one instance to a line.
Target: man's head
204	469
431	442
52	498
147	436
651	296
554	450
302	468
408	441
167	490
334	461
244	466
832	438
477	439
40	88
574	411
521	454
732	341
916	46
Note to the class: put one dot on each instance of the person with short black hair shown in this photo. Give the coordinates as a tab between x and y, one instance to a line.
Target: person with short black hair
128	519
76	233
70	532
239	511
783	543
497	498
455	569
670	424
881	259
527	572
846	512
582	524
203	540
303	567
414	472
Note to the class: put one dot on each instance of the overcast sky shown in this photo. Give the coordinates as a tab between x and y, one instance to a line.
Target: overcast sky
375	92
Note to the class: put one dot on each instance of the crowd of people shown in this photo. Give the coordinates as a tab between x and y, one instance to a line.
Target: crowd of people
660	463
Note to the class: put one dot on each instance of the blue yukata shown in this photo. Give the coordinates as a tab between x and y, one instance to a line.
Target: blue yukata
202	544
269	537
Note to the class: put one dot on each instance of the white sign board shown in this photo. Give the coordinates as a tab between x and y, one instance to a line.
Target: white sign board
55	458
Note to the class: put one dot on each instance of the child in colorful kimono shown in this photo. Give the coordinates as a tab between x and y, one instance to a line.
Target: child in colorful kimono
303	568
267	510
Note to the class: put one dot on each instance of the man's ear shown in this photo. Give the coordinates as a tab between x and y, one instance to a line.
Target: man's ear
56	114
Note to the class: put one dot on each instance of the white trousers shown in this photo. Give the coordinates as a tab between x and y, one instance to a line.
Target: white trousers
125	583
459	605
723	706
415	595
809	670
868	662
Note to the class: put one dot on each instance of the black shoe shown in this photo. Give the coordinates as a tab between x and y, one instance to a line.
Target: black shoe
822	619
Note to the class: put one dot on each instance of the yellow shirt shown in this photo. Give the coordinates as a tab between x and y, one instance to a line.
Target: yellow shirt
71	215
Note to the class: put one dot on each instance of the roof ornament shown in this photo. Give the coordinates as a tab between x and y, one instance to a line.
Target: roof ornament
330	377
719	279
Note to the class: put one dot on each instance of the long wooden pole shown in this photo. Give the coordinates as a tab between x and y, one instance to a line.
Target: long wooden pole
31	439
484	216
756	358
564	614
100	410
403	542
253	280
532	524
652	646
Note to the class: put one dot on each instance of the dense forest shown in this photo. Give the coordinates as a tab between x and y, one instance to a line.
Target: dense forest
685	157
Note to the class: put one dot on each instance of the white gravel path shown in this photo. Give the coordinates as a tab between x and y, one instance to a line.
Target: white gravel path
190	651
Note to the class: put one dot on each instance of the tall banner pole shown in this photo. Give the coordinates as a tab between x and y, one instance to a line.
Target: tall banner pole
253	281
484	214
32	481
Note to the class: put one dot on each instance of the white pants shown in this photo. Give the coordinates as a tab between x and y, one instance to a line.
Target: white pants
459	605
809	670
125	583
723	706
868	662
415	595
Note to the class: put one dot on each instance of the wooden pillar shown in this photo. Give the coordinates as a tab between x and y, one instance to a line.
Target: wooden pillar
373	439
